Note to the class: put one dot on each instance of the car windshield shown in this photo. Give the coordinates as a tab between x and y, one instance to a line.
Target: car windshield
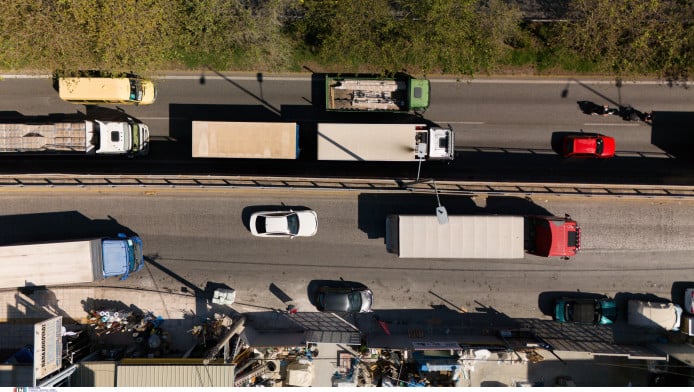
260	224
599	146
354	301
293	224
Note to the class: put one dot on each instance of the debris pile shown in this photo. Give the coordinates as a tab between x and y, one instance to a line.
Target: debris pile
149	339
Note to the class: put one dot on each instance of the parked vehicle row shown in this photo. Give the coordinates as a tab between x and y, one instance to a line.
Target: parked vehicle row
262	140
654	315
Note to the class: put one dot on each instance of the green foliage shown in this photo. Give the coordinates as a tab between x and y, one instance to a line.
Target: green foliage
632	37
222	33
420	36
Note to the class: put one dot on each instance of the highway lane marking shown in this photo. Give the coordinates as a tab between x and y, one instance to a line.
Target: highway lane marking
460	122
612	125
542	81
441	80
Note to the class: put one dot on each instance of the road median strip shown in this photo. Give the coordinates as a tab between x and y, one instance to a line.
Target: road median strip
158	182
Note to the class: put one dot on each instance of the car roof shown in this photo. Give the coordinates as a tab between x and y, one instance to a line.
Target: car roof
585	144
338	300
584	312
276	224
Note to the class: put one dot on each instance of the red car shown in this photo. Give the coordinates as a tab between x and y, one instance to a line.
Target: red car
597	146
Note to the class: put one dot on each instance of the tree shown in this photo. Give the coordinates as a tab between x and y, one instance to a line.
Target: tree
636	36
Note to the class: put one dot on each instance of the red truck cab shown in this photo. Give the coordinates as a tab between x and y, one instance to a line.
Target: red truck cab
551	236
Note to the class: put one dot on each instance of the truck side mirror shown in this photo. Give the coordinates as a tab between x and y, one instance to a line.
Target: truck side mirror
442	215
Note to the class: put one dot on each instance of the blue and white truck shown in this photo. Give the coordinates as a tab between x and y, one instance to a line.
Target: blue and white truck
70	262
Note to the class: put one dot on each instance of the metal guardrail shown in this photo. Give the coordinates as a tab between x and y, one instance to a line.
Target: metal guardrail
361	185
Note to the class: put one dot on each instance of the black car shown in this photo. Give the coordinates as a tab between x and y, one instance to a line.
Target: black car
342	298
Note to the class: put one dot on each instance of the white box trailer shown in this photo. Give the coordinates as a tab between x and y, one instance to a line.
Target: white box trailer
260	140
384	142
464	236
69	262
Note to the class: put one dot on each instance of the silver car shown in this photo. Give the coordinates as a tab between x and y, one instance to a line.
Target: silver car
284	223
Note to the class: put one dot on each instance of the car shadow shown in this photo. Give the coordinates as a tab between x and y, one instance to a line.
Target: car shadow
250	210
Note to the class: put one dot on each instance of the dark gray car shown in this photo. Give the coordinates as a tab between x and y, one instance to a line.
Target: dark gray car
341	298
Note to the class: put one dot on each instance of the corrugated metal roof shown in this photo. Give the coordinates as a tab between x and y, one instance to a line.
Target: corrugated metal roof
175	376
94	374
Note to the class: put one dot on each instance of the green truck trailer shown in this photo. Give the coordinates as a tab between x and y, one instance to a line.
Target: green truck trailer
374	93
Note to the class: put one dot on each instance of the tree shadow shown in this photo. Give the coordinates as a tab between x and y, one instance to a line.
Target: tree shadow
259	98
373	208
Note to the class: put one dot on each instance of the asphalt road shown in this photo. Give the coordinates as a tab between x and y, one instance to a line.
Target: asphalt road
196	238
505	130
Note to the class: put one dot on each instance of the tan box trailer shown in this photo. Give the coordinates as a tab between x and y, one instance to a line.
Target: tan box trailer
260	140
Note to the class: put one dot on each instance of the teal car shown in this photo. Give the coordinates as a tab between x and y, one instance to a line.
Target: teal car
585	310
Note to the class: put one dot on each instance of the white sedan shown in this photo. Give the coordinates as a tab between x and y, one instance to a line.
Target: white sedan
284	223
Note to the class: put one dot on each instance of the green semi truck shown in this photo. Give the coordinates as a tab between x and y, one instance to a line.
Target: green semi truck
375	93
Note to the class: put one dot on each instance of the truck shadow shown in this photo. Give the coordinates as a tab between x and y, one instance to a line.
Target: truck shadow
181	116
672	132
677	291
17	117
373	208
56	226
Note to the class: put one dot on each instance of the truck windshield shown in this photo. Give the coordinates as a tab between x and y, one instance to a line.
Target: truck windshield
127	136
135	132
135	90
135	255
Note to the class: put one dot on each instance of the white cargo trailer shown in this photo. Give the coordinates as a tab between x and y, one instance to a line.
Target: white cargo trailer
464	236
384	142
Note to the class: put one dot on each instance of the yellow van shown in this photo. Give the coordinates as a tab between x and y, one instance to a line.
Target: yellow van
88	91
